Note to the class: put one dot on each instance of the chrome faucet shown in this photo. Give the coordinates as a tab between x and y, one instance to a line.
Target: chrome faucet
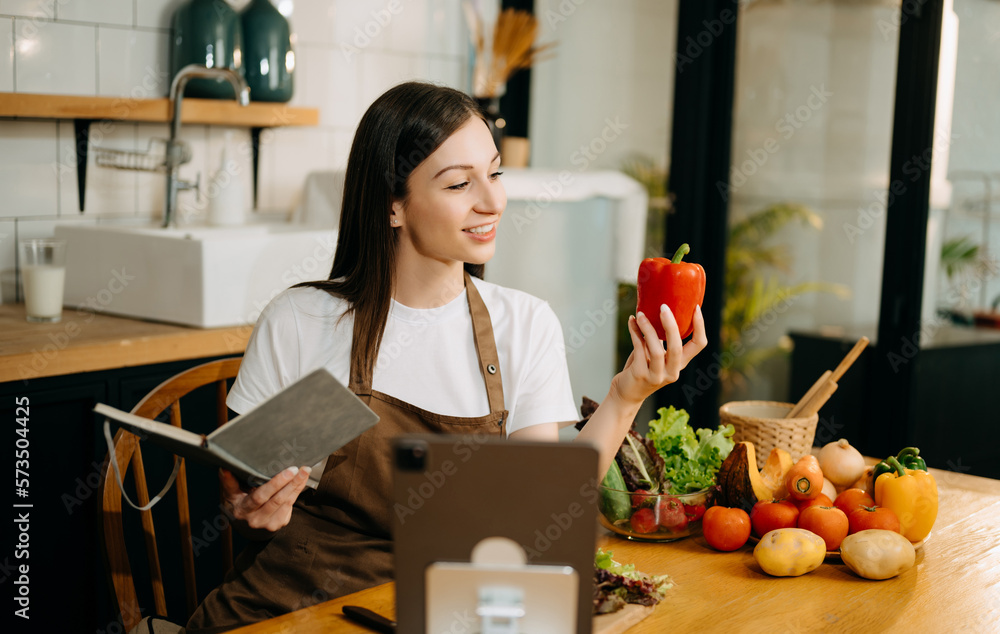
177	151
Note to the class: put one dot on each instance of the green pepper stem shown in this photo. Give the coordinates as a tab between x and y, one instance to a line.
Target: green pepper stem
681	251
907	452
895	464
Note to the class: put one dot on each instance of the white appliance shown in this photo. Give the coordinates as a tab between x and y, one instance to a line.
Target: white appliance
569	238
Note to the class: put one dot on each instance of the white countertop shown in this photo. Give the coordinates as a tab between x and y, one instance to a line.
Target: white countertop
543	187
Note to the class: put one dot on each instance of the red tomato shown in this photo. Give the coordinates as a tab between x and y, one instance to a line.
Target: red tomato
851	499
865	517
694	511
820	500
725	528
643	497
826	521
670	514
768	515
643	521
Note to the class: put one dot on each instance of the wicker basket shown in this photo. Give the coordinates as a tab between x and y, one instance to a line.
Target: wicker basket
763	424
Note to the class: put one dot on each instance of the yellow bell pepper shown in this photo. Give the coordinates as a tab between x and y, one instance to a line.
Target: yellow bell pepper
912	495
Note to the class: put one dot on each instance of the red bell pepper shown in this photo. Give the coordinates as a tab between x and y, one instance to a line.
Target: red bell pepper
679	285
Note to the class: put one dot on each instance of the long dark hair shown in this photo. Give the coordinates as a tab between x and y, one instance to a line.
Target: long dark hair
399	130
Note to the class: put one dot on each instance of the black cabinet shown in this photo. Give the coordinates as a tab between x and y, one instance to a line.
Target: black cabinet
67	585
62	479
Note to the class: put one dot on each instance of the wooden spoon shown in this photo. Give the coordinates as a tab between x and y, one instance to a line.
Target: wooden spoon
826	385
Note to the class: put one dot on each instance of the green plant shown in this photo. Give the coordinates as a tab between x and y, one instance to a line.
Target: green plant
752	285
749	296
958	255
962	260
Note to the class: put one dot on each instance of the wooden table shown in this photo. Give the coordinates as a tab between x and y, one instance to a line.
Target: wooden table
86	342
954	586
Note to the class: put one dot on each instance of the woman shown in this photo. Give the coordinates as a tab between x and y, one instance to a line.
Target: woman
416	337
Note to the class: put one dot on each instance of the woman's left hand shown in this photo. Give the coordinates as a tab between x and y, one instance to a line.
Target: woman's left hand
650	366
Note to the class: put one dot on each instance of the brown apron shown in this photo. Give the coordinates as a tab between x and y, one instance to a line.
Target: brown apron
338	540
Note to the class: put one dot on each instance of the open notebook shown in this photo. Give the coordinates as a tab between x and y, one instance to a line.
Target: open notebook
299	426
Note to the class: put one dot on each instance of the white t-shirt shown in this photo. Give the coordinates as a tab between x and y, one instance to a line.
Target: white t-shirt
427	357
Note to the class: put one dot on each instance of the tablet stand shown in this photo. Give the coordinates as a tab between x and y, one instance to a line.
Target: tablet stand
497	592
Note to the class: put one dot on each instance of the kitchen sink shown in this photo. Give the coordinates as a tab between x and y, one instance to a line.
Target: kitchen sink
195	276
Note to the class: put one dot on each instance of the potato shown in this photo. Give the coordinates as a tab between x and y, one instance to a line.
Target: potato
877	554
790	552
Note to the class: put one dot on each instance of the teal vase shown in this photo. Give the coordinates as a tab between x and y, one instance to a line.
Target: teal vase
207	32
267	52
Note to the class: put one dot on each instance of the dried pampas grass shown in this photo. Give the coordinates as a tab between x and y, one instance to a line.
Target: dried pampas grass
513	49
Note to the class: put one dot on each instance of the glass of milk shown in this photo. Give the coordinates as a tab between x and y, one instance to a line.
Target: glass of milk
43	275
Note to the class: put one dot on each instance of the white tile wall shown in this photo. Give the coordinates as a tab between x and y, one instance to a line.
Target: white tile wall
28	8
28	169
101	11
321	77
6	54
132	63
55	58
448	71
382	70
313	22
444	20
120	48
155	13
291	148
365	23
108	190
409	30
8	274
611	61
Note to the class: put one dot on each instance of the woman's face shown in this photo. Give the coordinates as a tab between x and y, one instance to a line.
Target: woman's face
455	199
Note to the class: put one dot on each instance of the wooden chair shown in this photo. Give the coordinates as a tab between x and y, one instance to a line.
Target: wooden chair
128	452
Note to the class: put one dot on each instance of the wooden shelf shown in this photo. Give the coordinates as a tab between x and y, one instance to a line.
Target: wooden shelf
85	110
196	111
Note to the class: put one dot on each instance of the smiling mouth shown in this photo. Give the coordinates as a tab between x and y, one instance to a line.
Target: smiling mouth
482	230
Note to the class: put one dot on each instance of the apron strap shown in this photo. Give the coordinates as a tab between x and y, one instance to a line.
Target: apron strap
486	346
486	350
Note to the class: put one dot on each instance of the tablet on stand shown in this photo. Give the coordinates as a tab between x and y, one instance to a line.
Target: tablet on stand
493	536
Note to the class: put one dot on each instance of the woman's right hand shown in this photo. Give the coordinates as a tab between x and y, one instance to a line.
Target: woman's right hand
260	512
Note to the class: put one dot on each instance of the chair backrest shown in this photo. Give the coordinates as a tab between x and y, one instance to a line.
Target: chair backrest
128	453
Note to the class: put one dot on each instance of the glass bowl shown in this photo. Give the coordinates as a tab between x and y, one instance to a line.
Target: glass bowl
646	517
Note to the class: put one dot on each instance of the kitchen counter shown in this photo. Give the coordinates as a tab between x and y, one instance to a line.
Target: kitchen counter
934	336
86	342
951	396
952	587
51	377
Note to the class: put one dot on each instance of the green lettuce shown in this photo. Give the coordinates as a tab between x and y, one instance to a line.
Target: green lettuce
691	458
660	583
